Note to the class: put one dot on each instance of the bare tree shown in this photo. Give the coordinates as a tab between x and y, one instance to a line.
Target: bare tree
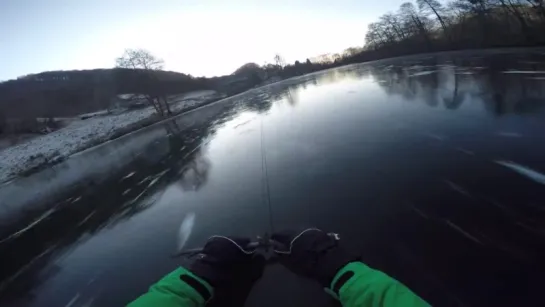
147	64
517	9
392	26
352	51
279	60
375	37
435	7
539	7
409	15
139	59
479	8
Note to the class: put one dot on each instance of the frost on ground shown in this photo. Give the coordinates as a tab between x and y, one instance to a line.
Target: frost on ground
77	136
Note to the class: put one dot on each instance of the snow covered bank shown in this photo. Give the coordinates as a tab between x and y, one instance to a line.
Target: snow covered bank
80	135
31	193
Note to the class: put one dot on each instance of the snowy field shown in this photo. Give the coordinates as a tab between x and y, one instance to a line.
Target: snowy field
80	135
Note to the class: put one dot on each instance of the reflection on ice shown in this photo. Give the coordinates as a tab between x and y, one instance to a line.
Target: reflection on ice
185	230
499	84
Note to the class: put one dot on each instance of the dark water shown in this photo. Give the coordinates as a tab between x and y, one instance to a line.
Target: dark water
431	167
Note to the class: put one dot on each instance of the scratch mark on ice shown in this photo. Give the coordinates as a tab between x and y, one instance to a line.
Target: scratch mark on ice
73	300
419	212
523	72
467	152
509	134
457	188
435	136
193	150
153	182
76	200
86	218
460	230
523	170
8	280
144	180
136	198
128	176
242	124
422	73
34	223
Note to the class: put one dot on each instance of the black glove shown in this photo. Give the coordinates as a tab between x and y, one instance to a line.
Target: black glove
313	253
229	268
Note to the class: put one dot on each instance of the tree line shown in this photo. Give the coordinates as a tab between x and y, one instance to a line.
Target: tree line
430	25
57	94
68	93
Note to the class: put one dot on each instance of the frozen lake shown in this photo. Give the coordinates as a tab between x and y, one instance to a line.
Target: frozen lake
432	167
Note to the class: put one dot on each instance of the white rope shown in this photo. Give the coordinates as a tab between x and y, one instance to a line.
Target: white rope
297	237
235	243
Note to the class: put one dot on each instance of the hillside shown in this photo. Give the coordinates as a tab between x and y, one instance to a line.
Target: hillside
68	93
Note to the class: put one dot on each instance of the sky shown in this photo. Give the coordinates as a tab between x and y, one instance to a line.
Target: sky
197	37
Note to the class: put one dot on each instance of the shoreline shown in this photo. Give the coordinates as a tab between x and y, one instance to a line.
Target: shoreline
42	160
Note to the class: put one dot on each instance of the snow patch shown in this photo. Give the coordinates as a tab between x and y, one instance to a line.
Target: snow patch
78	135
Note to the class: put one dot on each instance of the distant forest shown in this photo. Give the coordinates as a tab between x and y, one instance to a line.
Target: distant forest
429	25
424	26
